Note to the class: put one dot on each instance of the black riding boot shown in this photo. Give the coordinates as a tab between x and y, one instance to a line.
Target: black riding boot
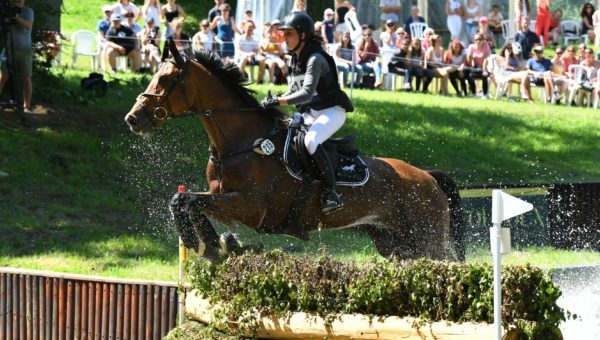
331	200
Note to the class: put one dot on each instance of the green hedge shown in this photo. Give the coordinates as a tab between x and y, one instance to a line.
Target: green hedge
429	290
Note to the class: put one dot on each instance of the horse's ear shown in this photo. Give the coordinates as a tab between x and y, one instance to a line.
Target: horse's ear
175	52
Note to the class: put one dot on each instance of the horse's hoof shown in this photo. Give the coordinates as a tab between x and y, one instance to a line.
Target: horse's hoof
228	242
179	199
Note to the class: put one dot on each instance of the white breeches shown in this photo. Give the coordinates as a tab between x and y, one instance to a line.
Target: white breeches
454	23
323	124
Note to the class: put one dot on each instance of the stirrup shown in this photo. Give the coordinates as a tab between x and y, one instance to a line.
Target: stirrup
331	201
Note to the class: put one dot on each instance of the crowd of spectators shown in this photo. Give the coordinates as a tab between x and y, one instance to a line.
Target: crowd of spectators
470	55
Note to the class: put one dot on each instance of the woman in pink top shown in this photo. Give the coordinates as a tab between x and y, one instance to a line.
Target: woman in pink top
477	55
542	25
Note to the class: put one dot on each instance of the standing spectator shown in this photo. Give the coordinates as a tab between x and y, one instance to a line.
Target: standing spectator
248	51
368	55
215	11
124	6
417	66
169	12
205	38
130	22
414	17
522	10
20	57
400	63
344	61
454	12
495	19
247	17
434	60
272	50
151	9
526	38
486	32
471	14
587	21
457	57
299	6
543	20
388	37
554	34
328	27
507	66
538	67
150	38
225	27
121	41
341	8
390	10
477	57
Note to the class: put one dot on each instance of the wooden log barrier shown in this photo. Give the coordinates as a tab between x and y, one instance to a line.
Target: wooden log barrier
351	326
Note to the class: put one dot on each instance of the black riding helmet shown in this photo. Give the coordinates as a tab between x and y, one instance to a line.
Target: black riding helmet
302	23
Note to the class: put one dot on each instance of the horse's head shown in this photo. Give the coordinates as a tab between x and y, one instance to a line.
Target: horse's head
165	96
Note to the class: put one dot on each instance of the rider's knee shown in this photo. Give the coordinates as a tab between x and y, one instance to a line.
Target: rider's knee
310	142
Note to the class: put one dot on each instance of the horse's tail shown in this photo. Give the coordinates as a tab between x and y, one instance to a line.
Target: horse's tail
457	225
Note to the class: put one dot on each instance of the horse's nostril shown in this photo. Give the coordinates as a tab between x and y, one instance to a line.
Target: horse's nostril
131	120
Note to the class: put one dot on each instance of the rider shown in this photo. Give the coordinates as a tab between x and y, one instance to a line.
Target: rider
314	88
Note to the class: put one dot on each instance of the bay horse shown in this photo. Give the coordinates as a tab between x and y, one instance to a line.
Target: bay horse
408	212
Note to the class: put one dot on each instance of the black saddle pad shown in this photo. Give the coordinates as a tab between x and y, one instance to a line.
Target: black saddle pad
350	168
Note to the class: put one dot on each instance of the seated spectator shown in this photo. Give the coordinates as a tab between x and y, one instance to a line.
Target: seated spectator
328	27
434	60
486	32
182	40
477	57
495	19
102	29
427	34
414	17
554	34
248	51
508	68
130	22
471	14
581	48
596	24
204	38
401	34
593	65
400	63
272	50
344	58
121	41
587	21
388	37
417	66
242	24
526	38
150	38
538	66
569	58
456	56
556	81
368	55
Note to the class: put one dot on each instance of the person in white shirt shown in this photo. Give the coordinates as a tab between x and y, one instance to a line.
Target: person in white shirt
124	6
205	38
247	50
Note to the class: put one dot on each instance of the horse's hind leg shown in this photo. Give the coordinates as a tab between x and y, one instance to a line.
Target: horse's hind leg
390	242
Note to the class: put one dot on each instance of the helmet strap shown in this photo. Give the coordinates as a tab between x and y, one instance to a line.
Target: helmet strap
300	41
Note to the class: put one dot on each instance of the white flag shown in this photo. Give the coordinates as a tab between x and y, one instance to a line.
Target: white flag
505	206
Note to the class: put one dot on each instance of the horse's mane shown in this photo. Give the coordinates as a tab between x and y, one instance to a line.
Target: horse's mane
231	75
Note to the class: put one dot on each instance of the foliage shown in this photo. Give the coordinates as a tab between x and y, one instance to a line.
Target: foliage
275	283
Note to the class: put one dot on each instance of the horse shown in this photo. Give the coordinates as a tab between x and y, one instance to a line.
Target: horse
408	212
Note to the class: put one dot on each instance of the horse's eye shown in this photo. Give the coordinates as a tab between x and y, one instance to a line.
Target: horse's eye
163	81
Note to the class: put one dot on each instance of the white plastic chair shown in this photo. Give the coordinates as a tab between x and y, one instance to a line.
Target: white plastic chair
570	30
416	29
508	30
579	73
85	43
388	78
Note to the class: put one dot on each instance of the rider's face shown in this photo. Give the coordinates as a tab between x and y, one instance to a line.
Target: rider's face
291	38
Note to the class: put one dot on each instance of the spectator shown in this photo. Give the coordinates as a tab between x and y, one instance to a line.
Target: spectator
526	38
124	6
471	14
182	40
248	51
390	10
20	57
543	20
129	22
318	30
121	41
344	61
554	34
151	9
508	68
427	34
538	66
368	55
225	27
401	34
589	61
477	57
581	49
434	60
417	66
341	8
388	37
568	58
495	19
522	10
215	11
486	32
277	34
299	6
104	24
587	21
556	81
457	57
204	38
400	63
169	12
150	38
272	50
454	12
414	17
328	27
247	17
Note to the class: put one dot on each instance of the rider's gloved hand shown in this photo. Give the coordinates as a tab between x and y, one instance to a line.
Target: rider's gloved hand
269	102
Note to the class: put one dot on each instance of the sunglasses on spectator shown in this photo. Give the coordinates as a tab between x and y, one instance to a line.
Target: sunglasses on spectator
205	25
559	52
367	35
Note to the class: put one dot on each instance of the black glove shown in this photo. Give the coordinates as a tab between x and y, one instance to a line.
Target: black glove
269	102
